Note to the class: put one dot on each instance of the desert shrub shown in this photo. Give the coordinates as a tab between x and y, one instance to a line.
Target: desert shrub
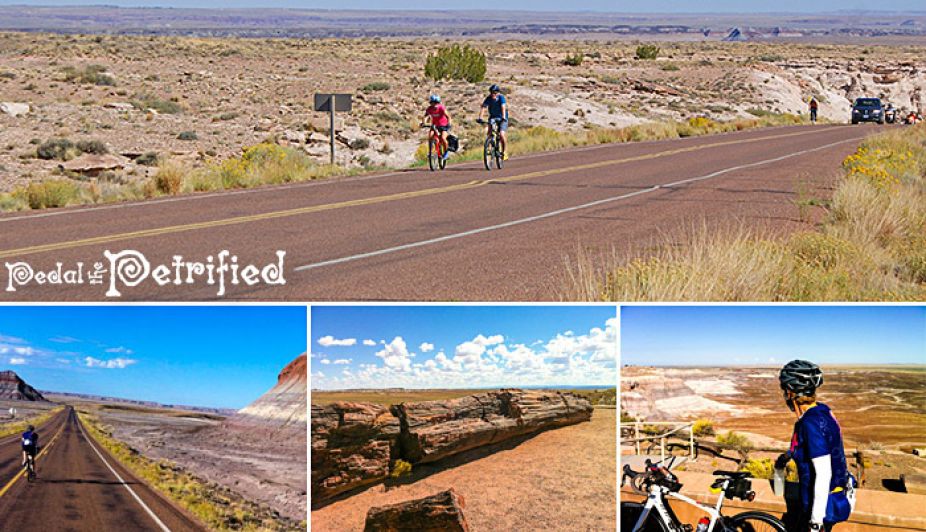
400	468
456	62
97	147
12	202
51	193
647	51
56	148
703	427
669	67
376	86
149	158
359	144
574	60
770	58
265	163
228	116
169	178
91	74
764	468
144	101
7	75
736	442
187	135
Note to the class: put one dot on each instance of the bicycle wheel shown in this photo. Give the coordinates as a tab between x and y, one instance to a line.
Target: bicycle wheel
487	152
754	522
30	473
432	155
499	156
441	162
630	513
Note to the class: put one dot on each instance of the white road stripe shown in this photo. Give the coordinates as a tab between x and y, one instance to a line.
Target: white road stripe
328	181
558	212
124	484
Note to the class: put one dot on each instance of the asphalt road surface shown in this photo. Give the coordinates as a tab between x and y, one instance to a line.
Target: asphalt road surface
79	486
461	234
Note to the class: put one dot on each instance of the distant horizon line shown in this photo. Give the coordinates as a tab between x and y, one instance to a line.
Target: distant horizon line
544	11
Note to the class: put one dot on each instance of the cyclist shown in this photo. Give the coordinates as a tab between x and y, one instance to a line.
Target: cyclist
827	489
438	116
30	445
497	107
813	109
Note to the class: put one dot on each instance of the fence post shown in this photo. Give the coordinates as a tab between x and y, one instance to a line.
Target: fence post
662	449
691	444
636	436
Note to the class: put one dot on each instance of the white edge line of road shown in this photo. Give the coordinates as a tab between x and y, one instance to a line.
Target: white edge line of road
320	182
558	212
123	482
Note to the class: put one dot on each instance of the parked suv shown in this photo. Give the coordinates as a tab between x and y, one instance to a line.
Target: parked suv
867	110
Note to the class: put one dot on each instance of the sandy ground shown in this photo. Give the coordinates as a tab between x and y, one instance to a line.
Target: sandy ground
274	475
562	479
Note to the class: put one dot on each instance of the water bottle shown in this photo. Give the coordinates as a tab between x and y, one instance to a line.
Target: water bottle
703	523
778	482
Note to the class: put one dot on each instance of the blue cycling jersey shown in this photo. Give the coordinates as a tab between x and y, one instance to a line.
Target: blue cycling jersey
494	105
817	434
30	440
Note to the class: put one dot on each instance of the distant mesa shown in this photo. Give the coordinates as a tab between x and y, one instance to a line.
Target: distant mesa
13	388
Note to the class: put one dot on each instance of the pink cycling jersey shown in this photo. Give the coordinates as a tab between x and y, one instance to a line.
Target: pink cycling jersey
438	114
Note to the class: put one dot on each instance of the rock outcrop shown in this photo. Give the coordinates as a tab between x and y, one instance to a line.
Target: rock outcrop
441	512
354	444
433	430
352	447
283	406
13	388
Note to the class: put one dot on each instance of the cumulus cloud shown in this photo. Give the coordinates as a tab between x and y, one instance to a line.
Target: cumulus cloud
329	341
369	342
395	355
426	347
17	361
325	361
114	363
343	361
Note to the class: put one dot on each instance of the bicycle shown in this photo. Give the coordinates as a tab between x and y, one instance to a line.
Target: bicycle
492	149
657	516
436	158
30	467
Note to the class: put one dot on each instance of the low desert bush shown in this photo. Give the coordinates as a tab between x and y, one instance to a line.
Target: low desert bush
456	62
703	427
144	101
400	468
51	193
91	74
376	86
187	135
169	177
736	442
56	149
647	51
97	147
575	59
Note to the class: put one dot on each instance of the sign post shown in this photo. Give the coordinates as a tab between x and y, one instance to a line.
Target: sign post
330	102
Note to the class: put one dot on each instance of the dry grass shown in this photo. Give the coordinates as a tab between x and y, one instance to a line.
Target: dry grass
870	247
215	506
20	426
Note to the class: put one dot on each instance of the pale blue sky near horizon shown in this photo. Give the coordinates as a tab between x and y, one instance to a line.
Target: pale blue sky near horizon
613	6
199	356
745	335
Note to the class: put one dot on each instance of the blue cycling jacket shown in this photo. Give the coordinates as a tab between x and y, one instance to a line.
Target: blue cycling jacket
817	434
30	440
495	107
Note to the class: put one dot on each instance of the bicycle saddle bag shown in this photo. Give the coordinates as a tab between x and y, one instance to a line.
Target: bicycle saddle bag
453	143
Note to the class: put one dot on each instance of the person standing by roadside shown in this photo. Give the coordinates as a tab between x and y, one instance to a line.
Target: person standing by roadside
813	109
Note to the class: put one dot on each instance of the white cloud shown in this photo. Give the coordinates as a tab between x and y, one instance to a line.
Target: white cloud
120	349
565	358
426	347
328	341
369	342
64	340
17	361
343	361
325	361
62	361
11	340
395	355
115	363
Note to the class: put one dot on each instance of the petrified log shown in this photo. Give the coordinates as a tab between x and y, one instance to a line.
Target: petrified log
433	430
442	512
352	446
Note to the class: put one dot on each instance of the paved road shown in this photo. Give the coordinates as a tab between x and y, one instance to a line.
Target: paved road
464	234
81	487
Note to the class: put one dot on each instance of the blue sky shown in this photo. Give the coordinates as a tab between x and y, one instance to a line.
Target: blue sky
627	6
202	356
462	347
772	335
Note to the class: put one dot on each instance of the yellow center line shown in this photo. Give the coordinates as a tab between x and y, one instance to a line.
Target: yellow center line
22	470
173	229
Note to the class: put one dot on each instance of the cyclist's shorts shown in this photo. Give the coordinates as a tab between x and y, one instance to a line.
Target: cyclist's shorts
30	450
444	128
503	125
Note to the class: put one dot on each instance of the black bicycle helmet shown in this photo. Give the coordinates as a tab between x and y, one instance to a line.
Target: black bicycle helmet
495	88
30	428
800	377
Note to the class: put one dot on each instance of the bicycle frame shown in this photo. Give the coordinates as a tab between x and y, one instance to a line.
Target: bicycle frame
655	501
